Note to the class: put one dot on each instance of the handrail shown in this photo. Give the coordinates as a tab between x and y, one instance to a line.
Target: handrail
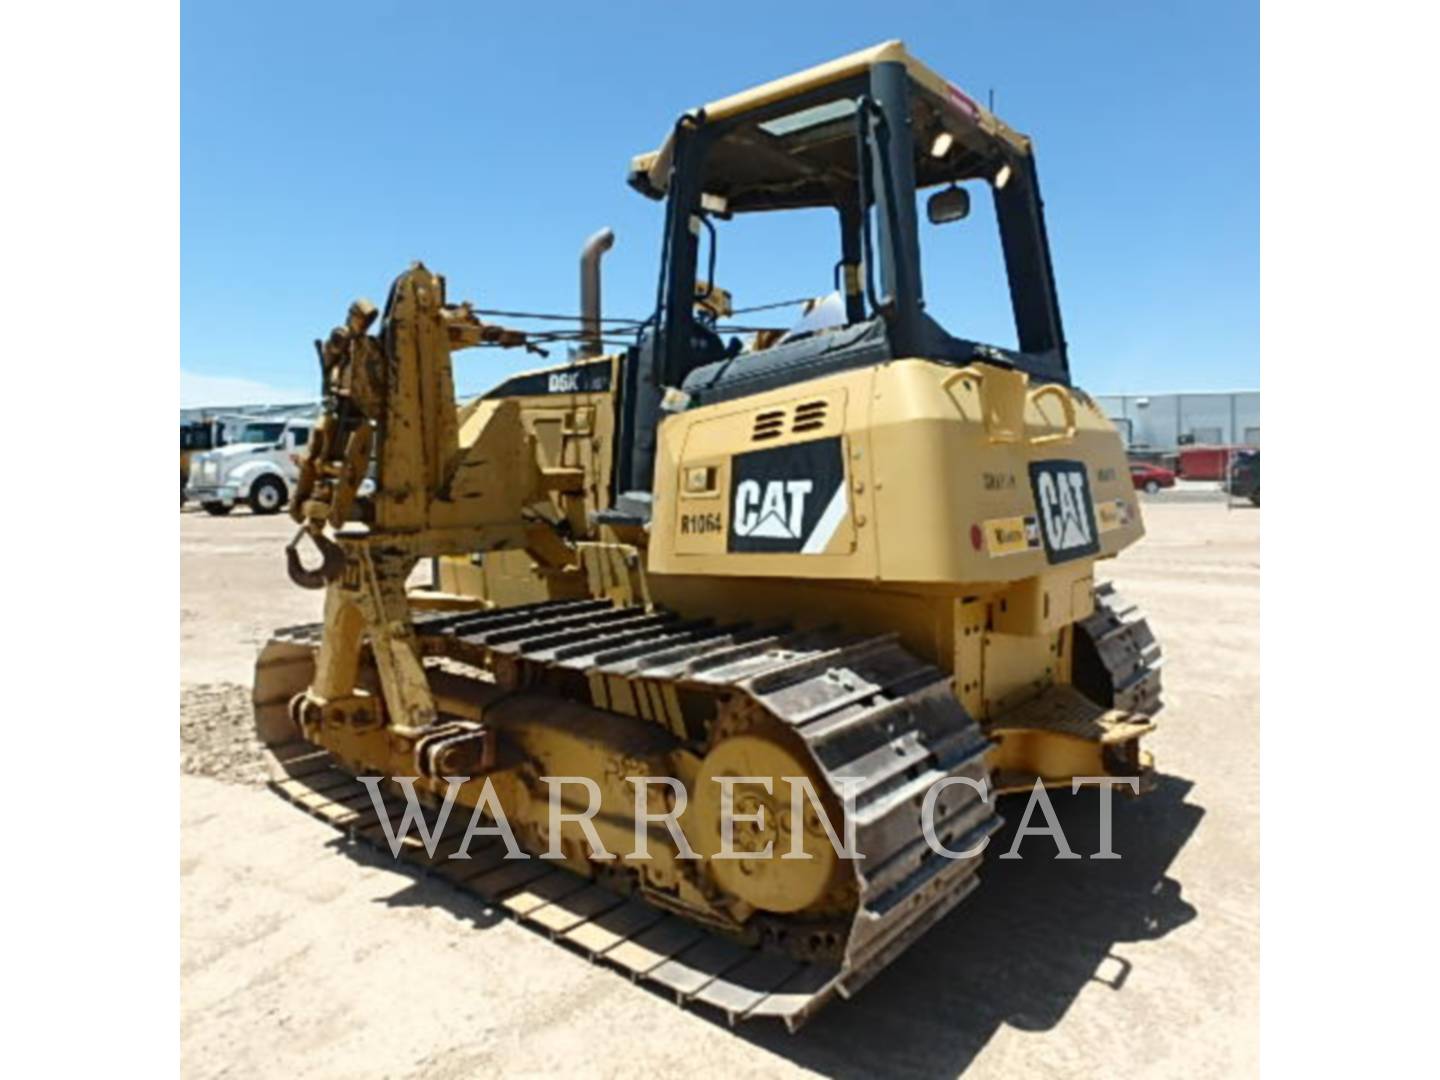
1066	403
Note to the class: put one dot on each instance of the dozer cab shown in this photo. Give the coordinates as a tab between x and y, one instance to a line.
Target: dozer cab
796	578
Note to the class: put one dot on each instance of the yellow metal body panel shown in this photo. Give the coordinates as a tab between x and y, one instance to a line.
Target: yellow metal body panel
934	457
930	451
689	529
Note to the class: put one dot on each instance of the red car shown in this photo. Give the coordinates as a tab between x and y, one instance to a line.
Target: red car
1151	478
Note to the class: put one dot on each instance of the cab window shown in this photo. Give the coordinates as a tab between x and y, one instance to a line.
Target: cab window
260	433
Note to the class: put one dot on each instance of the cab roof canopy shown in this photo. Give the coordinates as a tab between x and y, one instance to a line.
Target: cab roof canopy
790	143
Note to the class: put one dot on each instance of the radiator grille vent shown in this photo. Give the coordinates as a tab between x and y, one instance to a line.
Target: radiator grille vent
768	425
809	417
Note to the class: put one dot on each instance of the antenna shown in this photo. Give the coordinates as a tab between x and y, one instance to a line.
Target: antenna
991	106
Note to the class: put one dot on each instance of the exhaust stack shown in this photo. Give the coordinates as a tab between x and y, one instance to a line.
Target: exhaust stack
590	255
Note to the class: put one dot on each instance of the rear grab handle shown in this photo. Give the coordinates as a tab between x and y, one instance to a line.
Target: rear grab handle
1003	397
1067	403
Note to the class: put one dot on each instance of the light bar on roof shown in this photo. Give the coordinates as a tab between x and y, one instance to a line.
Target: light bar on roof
813	117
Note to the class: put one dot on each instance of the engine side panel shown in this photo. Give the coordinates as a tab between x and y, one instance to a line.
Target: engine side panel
906	472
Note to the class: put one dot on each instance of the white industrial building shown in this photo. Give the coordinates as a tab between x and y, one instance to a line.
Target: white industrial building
1157	423
233	417
1163	422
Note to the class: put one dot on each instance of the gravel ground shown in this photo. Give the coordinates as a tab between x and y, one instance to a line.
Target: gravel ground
217	734
304	957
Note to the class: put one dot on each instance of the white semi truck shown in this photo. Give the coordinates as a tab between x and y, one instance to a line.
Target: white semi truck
257	468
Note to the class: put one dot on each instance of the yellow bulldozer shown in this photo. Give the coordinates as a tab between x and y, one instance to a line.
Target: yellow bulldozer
841	573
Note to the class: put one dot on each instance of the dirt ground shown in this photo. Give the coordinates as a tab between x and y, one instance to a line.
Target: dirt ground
301	957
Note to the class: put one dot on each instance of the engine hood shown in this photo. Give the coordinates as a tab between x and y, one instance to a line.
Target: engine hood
238	450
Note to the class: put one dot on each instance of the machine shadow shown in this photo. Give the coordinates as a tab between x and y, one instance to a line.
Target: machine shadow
1018	951
419	890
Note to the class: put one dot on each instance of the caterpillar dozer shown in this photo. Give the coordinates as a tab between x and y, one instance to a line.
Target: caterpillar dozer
856	558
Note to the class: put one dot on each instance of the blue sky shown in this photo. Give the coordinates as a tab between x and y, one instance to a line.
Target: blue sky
324	146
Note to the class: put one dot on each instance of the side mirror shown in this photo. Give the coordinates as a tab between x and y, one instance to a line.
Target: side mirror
952	204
